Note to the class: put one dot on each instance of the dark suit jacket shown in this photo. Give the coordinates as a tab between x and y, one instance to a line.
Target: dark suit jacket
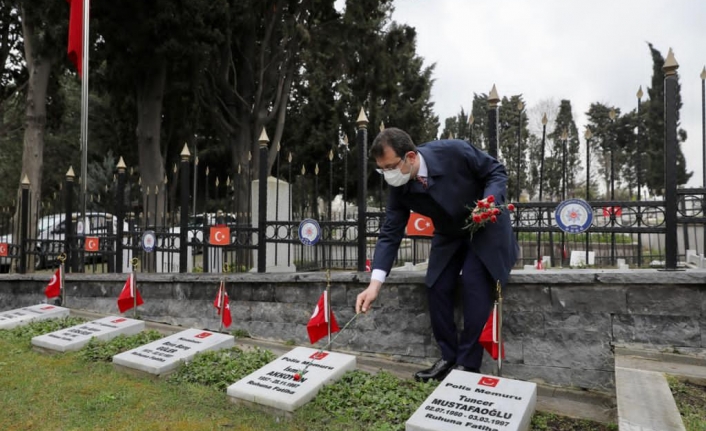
458	175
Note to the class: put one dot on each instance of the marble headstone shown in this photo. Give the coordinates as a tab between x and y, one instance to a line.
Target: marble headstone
470	401
76	337
277	385
164	355
22	316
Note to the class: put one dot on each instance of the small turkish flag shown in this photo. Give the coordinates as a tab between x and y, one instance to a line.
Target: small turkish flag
489	336
226	317
53	289
419	225
222	305
3	249
318	324
220	235
130	296
92	243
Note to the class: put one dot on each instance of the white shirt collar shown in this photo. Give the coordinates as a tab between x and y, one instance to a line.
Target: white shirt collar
423	171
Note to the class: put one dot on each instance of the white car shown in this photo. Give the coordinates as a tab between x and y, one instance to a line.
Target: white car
52	233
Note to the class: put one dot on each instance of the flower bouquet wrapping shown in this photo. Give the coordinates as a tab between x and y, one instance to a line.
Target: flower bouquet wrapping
486	211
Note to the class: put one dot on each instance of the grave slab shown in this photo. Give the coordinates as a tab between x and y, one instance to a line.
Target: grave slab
164	355
75	337
470	401
275	384
22	316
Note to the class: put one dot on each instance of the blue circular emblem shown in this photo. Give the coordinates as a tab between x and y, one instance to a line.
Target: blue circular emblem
148	240
309	232
574	215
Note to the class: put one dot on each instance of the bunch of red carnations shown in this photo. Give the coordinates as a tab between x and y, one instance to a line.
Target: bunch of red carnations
486	211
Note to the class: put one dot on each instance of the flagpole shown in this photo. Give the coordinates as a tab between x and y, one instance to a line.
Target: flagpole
62	258
132	288
84	104
221	288
499	320
327	304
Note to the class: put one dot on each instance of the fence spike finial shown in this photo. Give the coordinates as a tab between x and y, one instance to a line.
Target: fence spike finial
670	64
493	97
316	169
362	120
175	168
289	158
471	119
249	156
330	155
121	165
640	93
207	171
303	169
185	154
264	139
382	126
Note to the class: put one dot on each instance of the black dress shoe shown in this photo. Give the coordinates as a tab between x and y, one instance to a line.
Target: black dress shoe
468	369
437	371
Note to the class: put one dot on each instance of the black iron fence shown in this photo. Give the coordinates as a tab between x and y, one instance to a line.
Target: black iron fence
247	220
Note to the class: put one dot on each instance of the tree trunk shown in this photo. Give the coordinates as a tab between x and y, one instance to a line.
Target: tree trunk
39	69
150	93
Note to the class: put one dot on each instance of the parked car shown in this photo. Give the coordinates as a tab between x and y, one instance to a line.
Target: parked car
52	233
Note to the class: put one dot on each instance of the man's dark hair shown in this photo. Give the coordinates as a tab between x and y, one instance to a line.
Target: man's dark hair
395	138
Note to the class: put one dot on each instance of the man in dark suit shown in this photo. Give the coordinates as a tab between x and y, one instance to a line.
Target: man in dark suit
444	180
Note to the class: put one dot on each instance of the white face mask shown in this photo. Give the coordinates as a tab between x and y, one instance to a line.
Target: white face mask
396	178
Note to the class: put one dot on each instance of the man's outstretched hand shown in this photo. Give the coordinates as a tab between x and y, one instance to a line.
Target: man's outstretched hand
367	297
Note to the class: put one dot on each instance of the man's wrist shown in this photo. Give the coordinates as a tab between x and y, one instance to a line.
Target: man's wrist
378	275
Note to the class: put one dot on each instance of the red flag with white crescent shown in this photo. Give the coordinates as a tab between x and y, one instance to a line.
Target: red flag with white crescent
127	300
489	336
54	287
419	225
318	324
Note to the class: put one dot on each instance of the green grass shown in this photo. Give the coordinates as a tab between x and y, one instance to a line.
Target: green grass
83	391
691	402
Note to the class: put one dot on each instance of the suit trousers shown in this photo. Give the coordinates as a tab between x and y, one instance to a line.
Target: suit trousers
476	299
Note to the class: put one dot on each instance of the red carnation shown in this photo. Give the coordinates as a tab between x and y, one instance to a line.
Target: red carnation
490	199
297	377
496	211
476	218
493	219
510	207
484	216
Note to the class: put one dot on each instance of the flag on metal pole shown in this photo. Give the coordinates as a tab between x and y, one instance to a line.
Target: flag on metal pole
75	49
221	303
78	52
55	286
491	338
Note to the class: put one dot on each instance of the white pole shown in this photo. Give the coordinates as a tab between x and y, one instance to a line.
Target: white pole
84	105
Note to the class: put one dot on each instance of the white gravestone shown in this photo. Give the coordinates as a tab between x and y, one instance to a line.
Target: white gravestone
76	337
470	401
275	384
22	316
165	354
278	209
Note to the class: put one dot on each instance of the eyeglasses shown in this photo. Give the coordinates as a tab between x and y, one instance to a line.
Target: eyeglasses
381	171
